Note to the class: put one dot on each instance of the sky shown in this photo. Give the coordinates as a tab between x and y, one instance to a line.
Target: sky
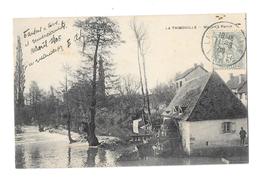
170	49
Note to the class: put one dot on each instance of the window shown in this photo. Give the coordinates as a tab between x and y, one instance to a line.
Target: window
228	127
180	83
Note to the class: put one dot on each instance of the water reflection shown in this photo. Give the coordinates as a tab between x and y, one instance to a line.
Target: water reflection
35	156
19	157
69	157
91	157
49	150
102	157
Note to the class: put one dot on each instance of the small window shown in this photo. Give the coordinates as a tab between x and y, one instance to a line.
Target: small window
180	83
228	127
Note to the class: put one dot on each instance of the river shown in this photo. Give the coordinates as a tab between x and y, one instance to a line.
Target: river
50	150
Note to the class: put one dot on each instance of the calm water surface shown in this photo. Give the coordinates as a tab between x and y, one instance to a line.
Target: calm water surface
49	150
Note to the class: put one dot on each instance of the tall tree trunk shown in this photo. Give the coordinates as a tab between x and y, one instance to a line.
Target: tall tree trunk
68	110
140	74
69	129
37	117
69	125
92	139
146	88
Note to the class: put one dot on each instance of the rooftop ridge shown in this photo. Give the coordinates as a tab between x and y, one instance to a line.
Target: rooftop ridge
188	71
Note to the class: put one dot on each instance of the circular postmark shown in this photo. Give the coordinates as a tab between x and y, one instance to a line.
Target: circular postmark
223	43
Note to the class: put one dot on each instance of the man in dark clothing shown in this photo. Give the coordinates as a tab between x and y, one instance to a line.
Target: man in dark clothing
242	134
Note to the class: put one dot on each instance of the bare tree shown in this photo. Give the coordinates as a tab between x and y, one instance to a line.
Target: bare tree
138	32
98	32
141	36
128	85
142	51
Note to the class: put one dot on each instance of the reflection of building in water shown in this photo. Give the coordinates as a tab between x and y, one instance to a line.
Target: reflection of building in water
238	85
194	72
207	114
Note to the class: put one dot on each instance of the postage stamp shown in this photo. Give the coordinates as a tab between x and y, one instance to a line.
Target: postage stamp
224	44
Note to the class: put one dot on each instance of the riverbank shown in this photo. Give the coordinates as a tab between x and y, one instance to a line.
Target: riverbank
125	151
105	141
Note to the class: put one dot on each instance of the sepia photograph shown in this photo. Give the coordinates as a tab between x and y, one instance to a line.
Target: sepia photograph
124	91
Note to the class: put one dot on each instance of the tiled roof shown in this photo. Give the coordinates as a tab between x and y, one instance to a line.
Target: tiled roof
187	96
206	98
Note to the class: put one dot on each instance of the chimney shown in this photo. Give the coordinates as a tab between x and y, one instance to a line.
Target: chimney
195	65
202	65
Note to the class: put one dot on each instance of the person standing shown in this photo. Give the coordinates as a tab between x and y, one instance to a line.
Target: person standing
242	134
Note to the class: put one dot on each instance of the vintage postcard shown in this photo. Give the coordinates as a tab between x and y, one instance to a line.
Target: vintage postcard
130	91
